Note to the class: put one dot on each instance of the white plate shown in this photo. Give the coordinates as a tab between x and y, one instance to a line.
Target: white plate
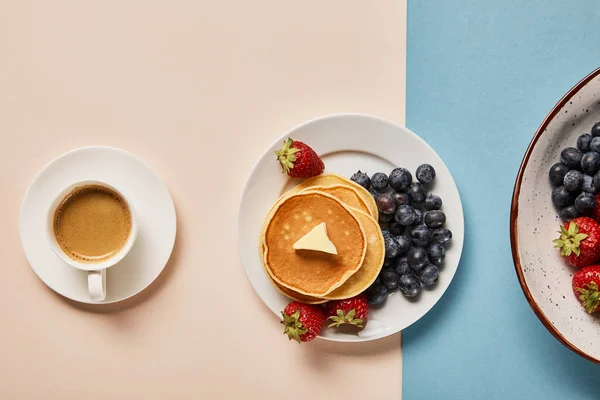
139	183
347	143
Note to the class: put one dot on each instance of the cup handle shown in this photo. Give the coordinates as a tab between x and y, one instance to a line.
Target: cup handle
97	284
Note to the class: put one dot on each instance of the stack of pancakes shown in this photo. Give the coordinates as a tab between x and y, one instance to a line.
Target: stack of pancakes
350	214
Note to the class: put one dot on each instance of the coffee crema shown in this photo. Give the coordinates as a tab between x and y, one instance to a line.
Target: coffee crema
92	224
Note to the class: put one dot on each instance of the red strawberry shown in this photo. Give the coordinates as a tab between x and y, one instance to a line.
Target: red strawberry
303	322
353	311
298	160
585	287
579	241
596	213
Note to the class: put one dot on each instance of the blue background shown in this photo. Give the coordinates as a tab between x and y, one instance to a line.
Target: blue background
481	76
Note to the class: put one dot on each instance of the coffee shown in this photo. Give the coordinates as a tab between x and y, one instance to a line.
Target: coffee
92	223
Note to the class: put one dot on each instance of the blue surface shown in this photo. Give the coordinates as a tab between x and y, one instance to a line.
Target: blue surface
481	76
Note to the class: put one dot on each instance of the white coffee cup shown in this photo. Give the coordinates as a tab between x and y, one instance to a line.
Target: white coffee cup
96	270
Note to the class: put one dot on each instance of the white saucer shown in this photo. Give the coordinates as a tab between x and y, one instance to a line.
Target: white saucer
139	183
347	143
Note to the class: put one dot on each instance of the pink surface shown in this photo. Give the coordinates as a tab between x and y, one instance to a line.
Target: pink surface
198	90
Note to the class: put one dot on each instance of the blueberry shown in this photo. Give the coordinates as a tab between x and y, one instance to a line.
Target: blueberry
595	145
572	157
573	180
379	180
417	192
389	263
386	218
588	185
590	162
436	254
585	202
377	293
561	197
442	235
434	219
404	244
392	248
386	234
557	173
402	267
362	179
421	236
596	129
389	279
409	285
433	202
568	213
417	258
374	193
583	142
597	180
419	217
405	215
401	198
429	275
400	178
425	173
396	229
386	203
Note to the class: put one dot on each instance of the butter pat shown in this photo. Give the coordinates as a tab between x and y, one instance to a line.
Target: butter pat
316	240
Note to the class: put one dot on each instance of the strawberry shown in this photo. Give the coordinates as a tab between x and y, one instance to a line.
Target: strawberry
303	322
353	311
579	241
298	160
585	287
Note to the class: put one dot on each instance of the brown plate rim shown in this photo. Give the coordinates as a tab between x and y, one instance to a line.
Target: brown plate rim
514	212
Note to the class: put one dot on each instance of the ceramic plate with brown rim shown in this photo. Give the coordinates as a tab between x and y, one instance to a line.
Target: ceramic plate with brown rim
544	277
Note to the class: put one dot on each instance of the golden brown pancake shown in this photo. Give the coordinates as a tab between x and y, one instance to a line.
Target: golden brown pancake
345	193
312	273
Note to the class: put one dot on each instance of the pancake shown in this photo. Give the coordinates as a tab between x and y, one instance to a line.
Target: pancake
334	179
312	273
366	275
345	193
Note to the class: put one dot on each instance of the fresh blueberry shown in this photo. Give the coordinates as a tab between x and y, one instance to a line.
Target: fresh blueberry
417	258
379	180
596	129
409	285
377	293
421	236
386	203
374	193
400	178
405	215
597	180
425	174
386	218
585	202
590	162
557	173
572	156
396	229
386	234
442	235
433	202
436	254
417	192
429	275
561	197
389	263
419	217
362	179
583	142
595	144
401	198
402	267
392	248
588	185
434	219
568	213
389	279
573	180
404	243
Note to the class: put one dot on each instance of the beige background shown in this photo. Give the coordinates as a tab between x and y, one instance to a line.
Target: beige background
198	89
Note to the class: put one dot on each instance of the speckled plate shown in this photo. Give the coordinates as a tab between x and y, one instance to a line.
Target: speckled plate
545	278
